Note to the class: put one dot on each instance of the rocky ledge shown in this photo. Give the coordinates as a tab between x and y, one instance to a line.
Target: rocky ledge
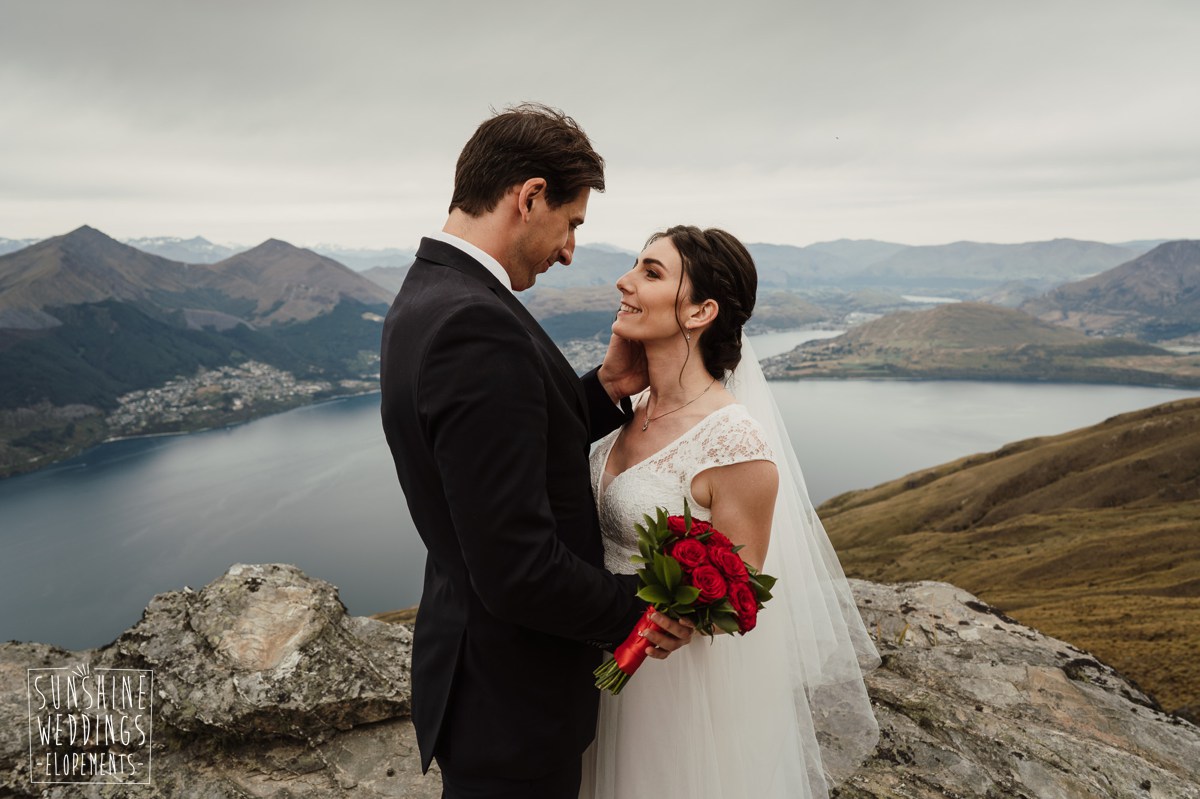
263	686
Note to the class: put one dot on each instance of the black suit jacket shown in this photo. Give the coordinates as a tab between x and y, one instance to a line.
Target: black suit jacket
490	428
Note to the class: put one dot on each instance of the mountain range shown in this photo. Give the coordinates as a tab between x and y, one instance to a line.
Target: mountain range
964	266
85	320
199	250
271	283
1155	297
196	250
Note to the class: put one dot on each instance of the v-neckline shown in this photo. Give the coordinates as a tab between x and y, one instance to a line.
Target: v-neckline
674	442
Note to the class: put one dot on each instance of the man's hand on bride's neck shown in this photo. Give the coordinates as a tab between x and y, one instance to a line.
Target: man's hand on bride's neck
623	372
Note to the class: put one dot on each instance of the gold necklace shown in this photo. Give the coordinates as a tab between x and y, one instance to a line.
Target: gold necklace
646	423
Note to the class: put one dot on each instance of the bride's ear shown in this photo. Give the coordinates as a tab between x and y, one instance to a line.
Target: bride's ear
702	315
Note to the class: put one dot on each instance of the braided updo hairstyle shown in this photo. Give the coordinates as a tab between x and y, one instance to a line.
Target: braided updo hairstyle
719	268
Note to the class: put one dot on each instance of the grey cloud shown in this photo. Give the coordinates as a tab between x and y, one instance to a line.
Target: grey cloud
306	103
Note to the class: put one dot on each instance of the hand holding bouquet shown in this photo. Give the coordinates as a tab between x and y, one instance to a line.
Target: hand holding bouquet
688	570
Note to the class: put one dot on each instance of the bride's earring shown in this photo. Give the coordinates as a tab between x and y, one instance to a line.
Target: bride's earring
687	336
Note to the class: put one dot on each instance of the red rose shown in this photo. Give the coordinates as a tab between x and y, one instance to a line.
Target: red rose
689	552
718	539
711	584
741	596
729	564
677	526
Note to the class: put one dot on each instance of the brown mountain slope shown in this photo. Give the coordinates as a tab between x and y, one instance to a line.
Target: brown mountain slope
960	325
388	277
85	266
1155	296
1092	536
293	284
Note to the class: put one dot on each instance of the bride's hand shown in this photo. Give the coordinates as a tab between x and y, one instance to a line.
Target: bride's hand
674	634
623	372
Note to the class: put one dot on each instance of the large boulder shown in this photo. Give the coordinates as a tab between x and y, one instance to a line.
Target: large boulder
267	651
262	686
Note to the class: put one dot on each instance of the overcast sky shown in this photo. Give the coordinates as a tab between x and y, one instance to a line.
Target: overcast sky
917	121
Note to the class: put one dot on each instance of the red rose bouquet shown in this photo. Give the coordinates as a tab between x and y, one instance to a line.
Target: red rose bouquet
688	570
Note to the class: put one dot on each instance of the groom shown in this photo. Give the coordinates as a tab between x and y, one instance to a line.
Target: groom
489	428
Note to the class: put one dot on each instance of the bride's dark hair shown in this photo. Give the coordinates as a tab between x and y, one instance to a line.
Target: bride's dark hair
719	268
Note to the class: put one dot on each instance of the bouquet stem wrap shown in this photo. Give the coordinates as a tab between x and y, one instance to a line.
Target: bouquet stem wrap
613	674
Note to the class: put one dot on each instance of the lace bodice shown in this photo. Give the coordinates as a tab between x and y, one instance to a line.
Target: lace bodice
726	436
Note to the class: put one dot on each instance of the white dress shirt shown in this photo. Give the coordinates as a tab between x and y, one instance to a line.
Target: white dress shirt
489	263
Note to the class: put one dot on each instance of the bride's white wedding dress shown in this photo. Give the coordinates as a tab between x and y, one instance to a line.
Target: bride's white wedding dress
775	713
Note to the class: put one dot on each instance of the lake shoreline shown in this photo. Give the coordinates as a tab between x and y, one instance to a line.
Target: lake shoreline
79	449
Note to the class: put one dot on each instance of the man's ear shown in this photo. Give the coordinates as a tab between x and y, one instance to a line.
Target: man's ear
529	191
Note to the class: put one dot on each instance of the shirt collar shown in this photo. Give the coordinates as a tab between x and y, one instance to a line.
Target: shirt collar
486	261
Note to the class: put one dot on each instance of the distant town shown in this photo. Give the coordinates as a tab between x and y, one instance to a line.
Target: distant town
212	395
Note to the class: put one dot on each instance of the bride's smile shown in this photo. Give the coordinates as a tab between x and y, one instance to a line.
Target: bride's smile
655	295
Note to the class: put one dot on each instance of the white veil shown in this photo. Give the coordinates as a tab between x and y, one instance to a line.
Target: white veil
828	648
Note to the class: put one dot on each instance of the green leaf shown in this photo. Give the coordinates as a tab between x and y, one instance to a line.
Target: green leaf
667	570
652	577
687	516
765	580
663	531
655	595
726	623
686	594
673	573
638	559
760	593
739	548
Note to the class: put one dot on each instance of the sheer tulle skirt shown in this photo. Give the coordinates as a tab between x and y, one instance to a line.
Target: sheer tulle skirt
711	721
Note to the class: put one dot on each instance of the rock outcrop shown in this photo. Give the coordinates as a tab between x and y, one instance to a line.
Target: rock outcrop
973	704
265	687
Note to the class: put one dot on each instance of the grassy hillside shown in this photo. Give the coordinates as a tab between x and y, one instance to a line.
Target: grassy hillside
100	351
1092	536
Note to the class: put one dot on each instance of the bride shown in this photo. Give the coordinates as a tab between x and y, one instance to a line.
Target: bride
781	712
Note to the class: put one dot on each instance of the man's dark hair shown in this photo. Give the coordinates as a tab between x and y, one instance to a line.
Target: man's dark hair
522	142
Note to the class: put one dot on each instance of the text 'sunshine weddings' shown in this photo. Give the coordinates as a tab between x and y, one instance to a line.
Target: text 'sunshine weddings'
85	724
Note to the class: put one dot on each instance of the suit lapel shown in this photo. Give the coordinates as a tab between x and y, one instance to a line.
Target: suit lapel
448	255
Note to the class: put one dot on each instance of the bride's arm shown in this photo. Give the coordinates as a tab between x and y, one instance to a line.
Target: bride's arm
742	499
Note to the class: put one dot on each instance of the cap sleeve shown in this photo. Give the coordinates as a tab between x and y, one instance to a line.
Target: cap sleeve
734	438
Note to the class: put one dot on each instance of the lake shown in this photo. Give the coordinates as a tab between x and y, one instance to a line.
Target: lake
85	544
